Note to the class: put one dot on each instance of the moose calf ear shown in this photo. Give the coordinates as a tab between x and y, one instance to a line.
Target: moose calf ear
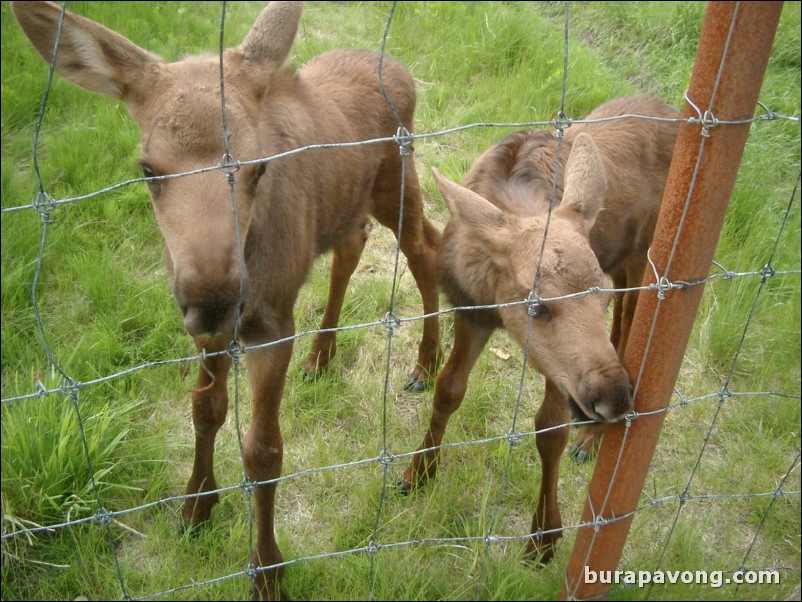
270	39
585	181
468	207
89	54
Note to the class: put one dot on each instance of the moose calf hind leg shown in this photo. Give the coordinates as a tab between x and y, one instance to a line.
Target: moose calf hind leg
423	265
344	260
419	242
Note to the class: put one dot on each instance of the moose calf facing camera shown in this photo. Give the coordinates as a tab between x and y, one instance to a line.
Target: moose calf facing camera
239	253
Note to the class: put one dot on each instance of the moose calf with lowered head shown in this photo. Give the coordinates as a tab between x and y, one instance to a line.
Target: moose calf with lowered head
285	213
504	242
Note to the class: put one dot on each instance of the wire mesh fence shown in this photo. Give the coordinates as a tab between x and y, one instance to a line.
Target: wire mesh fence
388	458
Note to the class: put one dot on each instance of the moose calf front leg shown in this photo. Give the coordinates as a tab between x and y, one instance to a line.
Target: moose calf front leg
550	445
263	452
449	391
209	407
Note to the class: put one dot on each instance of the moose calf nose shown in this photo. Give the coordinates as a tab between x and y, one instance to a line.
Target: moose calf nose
205	321
619	403
612	410
611	393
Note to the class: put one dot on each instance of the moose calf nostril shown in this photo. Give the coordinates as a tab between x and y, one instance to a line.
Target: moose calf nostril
614	406
194	322
200	320
606	410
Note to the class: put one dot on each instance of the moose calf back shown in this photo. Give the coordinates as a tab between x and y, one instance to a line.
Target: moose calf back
337	99
637	155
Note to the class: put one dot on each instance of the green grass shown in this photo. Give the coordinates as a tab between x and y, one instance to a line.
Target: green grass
106	306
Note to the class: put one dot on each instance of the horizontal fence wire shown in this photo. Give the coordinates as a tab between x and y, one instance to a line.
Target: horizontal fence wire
71	389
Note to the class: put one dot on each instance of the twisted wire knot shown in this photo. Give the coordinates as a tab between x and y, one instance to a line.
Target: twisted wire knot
43	205
403	138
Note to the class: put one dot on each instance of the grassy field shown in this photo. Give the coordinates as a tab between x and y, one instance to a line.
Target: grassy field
105	306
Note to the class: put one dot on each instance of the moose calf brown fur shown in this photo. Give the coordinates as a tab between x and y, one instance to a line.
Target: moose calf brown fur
603	218
288	210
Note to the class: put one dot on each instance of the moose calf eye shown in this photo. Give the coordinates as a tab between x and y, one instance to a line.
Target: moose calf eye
155	186
540	311
259	173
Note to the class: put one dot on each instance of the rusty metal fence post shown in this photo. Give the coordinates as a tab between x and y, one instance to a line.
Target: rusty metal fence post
733	52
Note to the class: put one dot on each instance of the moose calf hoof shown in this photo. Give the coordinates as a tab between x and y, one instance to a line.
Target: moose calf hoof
310	377
266	583
587	443
191	531
404	486
313	370
536	560
415	385
415	478
409	482
269	594
420	380
579	454
539	553
197	512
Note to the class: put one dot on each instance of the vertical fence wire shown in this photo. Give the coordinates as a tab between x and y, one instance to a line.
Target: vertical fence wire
70	387
725	394
561	121
384	457
229	166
